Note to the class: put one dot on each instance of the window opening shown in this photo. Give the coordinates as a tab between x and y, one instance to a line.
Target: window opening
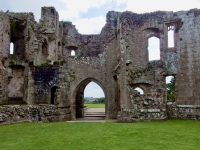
170	36
139	90
73	53
53	94
154	48
45	48
170	87
11	48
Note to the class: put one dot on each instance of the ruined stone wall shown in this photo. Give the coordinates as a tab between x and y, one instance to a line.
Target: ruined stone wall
4	49
41	69
188	59
175	111
137	71
32	113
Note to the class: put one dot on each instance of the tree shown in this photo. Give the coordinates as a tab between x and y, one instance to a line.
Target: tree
101	100
171	90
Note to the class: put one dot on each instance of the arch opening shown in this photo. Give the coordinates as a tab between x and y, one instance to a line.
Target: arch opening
140	91
53	94
93	90
91	95
154	48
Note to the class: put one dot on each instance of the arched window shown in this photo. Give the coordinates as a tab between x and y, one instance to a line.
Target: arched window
11	48
154	48
73	53
139	90
170	36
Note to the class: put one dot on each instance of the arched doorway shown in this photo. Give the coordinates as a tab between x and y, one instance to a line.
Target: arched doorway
53	94
80	97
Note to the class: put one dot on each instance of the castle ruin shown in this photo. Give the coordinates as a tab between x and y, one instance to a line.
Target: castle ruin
41	81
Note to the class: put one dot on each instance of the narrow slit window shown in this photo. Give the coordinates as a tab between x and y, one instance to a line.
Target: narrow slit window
154	48
73	53
11	48
170	36
45	48
170	87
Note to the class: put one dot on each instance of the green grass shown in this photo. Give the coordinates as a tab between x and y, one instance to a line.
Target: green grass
95	105
169	135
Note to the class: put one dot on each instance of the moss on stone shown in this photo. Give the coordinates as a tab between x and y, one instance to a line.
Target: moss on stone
11	62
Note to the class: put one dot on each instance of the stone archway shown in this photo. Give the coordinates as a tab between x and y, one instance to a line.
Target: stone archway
79	97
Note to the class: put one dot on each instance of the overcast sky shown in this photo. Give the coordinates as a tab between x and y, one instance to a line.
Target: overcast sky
89	15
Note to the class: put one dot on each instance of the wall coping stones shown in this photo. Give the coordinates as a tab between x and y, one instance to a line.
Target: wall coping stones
188	106
151	110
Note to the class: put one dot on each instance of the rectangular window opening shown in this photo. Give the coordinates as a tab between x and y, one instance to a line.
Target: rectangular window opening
170	36
11	48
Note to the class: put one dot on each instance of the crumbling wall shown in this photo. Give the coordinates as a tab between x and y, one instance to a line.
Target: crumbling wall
32	113
116	59
175	111
16	83
4	49
137	71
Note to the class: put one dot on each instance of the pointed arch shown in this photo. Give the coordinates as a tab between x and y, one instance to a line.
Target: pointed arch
92	86
85	82
78	96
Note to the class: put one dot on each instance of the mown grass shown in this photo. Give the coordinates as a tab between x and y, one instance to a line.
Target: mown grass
95	105
169	135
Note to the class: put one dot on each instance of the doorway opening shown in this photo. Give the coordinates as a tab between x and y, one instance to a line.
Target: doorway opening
90	101
53	94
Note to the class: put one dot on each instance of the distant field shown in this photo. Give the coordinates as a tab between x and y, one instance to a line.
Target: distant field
168	135
95	105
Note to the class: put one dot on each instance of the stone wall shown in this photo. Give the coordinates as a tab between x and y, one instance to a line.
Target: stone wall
183	111
33	113
42	70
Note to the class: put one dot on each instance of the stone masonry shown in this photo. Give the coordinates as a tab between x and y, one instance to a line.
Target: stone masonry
42	81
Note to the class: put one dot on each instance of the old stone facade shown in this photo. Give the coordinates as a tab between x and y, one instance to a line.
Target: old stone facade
41	81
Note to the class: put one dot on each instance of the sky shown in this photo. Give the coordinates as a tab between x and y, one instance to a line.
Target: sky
89	16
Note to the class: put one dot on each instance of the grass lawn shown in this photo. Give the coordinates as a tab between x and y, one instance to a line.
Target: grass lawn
95	105
169	135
